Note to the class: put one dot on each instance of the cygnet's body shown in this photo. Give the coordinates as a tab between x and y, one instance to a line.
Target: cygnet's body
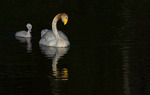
54	37
24	33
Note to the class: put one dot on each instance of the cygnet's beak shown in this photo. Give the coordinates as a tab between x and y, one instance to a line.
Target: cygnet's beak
65	22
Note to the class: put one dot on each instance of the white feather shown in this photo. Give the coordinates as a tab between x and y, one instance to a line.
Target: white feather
24	33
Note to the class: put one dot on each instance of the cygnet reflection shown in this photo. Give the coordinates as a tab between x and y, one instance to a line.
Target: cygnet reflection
26	40
55	54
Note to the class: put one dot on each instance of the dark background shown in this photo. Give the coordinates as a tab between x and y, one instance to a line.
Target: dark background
109	52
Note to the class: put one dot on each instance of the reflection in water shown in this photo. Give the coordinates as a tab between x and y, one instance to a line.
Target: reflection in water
56	53
125	54
26	40
126	32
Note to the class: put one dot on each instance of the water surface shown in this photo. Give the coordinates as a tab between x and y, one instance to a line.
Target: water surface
109	52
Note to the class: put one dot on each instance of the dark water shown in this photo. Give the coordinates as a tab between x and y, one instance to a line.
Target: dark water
109	52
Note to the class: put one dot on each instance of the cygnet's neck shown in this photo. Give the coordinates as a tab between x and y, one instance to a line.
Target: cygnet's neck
54	25
29	30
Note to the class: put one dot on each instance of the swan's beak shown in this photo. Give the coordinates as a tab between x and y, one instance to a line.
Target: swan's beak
65	22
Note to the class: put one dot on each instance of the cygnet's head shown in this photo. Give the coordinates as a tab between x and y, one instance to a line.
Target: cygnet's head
29	26
64	18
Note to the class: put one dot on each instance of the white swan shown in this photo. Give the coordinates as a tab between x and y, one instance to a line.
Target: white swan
54	37
24	33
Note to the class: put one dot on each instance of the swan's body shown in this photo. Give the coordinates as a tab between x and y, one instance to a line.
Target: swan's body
24	33
55	37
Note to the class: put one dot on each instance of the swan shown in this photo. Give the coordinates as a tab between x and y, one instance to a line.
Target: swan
24	33
54	37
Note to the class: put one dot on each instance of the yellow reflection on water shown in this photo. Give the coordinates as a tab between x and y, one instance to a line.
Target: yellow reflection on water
61	74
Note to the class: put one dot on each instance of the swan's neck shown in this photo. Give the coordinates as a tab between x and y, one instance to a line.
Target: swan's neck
54	25
29	30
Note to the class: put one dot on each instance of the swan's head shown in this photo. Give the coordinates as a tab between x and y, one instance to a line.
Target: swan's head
64	18
29	26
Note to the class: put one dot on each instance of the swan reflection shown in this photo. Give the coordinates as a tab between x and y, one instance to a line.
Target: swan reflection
55	54
126	61
26	40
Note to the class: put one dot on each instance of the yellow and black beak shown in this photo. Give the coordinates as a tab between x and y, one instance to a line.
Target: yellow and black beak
65	22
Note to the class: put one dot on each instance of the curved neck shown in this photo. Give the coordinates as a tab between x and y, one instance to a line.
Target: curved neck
29	30
54	25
